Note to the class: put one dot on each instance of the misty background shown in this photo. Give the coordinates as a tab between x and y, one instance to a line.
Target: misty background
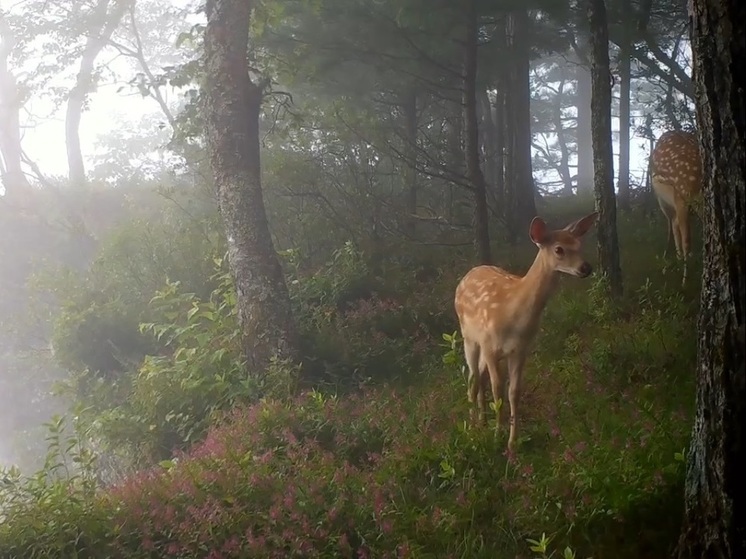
98	128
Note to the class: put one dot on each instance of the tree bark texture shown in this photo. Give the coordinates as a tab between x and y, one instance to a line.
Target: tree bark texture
85	82
232	109
523	206
625	79
471	137
715	504
603	154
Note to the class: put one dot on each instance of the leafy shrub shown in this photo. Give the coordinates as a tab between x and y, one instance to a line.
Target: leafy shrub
399	472
96	327
198	372
356	326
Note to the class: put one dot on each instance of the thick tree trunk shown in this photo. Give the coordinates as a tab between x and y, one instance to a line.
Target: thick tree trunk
603	154
232	108
85	82
524	203
715	508
471	137
625	79
583	130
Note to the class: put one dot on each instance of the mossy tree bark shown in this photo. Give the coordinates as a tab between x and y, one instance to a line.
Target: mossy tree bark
715	505
232	109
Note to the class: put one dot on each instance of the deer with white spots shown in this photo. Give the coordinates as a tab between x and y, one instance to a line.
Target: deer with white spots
499	313
676	171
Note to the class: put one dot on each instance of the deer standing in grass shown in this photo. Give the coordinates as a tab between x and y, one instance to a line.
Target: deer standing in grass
676	171
499	313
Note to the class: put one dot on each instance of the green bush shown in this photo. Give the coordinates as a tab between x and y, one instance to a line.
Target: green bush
398	471
357	326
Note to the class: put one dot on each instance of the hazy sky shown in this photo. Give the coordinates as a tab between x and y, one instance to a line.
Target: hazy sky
44	142
43	133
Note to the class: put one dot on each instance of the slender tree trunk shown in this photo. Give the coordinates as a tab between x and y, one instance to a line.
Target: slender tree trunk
559	129
232	108
139	55
499	110
625	79
85	82
471	137
603	154
487	138
524	201
13	178
511	222
501	83
410	117
714	524
455	126
585	142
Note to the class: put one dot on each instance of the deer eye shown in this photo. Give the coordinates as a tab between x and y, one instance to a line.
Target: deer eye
559	251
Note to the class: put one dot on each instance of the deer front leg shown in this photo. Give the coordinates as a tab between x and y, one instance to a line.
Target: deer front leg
515	367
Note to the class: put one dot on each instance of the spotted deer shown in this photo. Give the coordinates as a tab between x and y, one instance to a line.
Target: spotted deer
676	171
499	314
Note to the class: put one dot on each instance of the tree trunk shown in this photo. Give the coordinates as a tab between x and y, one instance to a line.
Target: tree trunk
524	203
583	129
232	109
715	509
13	178
499	110
559	129
471	137
487	138
410	116
85	83
625	79
603	154
454	124
501	82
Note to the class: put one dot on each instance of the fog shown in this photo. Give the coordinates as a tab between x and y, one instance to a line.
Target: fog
57	212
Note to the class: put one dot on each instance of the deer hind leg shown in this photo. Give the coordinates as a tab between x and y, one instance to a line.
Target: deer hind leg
498	376
474	389
682	211
515	368
670	215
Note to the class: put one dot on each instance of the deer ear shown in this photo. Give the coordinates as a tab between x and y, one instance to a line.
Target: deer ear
537	231
583	225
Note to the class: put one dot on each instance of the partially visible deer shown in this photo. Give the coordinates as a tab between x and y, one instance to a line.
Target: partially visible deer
499	313
676	171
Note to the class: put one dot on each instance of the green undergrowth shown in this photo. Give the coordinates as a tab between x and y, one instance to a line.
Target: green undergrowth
394	469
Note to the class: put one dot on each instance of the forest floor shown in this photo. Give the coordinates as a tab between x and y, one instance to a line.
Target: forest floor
394	468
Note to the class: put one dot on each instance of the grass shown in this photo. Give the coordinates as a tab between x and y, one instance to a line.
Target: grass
394	469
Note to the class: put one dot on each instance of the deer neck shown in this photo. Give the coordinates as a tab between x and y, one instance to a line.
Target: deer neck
538	285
